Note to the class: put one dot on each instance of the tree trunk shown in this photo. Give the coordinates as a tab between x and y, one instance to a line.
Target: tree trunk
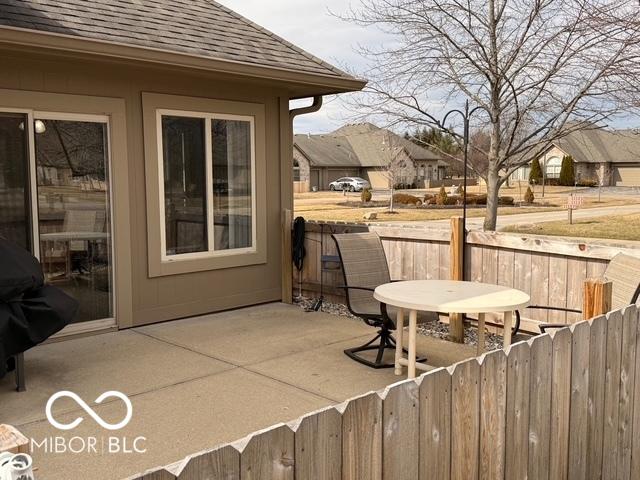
493	193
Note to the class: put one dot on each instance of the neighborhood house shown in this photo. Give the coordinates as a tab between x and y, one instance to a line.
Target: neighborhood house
605	157
145	152
363	150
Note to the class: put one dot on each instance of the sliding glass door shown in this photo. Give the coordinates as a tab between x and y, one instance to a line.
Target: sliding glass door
65	202
15	218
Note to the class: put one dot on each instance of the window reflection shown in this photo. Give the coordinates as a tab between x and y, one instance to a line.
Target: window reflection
74	212
184	185
232	184
14	180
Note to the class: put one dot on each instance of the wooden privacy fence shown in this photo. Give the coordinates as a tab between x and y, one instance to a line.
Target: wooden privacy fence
564	405
551	270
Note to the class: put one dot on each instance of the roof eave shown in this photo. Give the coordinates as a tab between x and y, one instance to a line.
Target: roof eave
307	84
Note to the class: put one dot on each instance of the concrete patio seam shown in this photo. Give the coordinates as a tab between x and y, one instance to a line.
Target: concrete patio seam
220	359
244	367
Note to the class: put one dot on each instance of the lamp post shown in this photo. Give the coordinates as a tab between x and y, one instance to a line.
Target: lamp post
466	117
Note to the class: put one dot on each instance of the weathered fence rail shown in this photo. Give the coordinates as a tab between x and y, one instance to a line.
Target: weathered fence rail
551	270
561	405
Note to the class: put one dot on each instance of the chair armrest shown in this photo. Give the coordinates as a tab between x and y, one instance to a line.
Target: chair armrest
545	326
560	309
347	287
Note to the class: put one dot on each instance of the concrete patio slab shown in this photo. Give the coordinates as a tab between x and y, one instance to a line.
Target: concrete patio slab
258	333
176	421
194	383
325	372
125	361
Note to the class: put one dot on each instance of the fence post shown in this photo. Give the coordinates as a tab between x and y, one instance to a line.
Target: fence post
287	263
456	324
596	297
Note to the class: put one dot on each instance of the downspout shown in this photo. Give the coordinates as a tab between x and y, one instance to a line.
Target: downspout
286	198
314	107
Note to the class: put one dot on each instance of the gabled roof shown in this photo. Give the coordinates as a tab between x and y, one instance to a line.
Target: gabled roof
203	28
600	145
359	145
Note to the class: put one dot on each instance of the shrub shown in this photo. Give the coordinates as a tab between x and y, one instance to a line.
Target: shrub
528	196
406	199
476	199
567	172
441	198
459	190
535	175
508	201
365	196
587	182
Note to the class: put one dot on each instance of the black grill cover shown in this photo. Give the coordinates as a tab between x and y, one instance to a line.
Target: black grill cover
30	311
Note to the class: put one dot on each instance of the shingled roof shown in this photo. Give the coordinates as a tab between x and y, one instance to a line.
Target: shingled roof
359	145
600	145
195	27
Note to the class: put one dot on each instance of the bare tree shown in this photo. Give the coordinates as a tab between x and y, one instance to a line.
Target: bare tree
397	168
536	69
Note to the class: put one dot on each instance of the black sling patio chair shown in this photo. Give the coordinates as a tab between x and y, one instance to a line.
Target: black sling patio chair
623	272
364	265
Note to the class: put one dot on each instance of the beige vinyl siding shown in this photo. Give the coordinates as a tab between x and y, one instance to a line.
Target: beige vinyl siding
175	296
626	175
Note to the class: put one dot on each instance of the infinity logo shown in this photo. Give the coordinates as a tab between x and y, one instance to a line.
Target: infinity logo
89	410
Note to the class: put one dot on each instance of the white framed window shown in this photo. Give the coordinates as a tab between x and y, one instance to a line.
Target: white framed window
207	184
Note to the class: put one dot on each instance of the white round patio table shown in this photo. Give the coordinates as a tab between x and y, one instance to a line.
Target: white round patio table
451	297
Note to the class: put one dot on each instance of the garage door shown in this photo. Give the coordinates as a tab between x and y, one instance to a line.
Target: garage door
626	176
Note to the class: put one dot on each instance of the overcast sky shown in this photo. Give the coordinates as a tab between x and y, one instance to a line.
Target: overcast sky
308	24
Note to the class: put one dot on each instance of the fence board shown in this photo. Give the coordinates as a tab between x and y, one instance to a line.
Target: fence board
474	262
490	265
433	252
401	432
560	398
540	284
406	259
421	261
156	474
627	382
578	426
435	424
444	261
318	446
506	266
269	454
558	288
465	420
612	395
493	401
541	349
635	447
517	425
220	464
576	275
362	439
595	421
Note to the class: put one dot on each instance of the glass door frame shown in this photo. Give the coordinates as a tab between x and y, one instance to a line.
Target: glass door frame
32	116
